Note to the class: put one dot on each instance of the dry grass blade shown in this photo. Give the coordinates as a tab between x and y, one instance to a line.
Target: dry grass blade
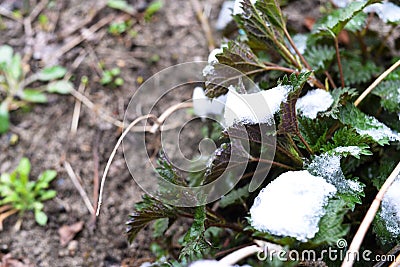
5	212
78	186
369	217
376	82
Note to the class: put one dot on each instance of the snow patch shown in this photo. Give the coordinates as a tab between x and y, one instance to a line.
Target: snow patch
386	11
203	106
355	151
292	205
328	167
390	211
313	102
254	108
237	7
378	131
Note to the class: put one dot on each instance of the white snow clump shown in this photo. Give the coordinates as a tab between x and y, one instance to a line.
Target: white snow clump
313	102
254	108
292	205
390	211
203	106
386	11
379	131
237	7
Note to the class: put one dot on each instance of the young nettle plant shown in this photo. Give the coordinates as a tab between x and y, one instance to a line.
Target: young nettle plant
334	151
15	84
19	194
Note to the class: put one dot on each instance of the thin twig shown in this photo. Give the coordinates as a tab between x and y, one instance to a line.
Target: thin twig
376	82
204	23
5	215
168	112
339	61
77	110
78	186
80	38
103	179
92	106
396	262
295	49
96	180
330	79
369	217
8	14
240	254
274	163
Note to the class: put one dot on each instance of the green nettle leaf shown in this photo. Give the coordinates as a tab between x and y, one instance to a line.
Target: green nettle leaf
34	96
234	197
320	56
314	131
264	25
145	212
160	226
51	73
389	92
289	123
60	87
4	117
340	96
194	242
40	217
166	170
331	227
355	72
357	23
334	22
348	137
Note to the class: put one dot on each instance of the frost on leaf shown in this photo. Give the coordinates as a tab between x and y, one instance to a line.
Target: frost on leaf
254	108
328	167
390	211
292	205
313	102
368	125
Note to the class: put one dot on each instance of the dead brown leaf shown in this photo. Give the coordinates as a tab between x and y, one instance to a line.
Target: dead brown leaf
68	232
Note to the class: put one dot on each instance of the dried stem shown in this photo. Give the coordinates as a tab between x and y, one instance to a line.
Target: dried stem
339	61
376	82
369	217
274	163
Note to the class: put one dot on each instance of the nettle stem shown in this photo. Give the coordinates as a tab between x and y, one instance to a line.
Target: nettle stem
339	61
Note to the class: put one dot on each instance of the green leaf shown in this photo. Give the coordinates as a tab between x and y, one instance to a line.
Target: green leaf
40	217
34	96
153	8
60	87
389	92
340	97
15	67
23	169
357	71
160	226
315	132
48	194
194	242
47	176
235	196
320	56
51	73
6	54
120	5
331	227
334	22
4	117
357	23
367	125
146	211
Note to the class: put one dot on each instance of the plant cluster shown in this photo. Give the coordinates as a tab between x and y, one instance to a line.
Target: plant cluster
24	195
333	151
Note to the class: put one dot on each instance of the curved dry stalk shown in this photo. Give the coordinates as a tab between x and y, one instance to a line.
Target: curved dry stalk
158	122
103	179
369	217
5	212
376	82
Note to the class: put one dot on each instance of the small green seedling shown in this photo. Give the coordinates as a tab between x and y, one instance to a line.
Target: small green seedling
24	195
153	8
15	90
111	77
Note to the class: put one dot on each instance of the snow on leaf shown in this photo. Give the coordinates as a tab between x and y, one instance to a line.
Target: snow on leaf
203	106
386	11
389	92
313	102
292	205
254	108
